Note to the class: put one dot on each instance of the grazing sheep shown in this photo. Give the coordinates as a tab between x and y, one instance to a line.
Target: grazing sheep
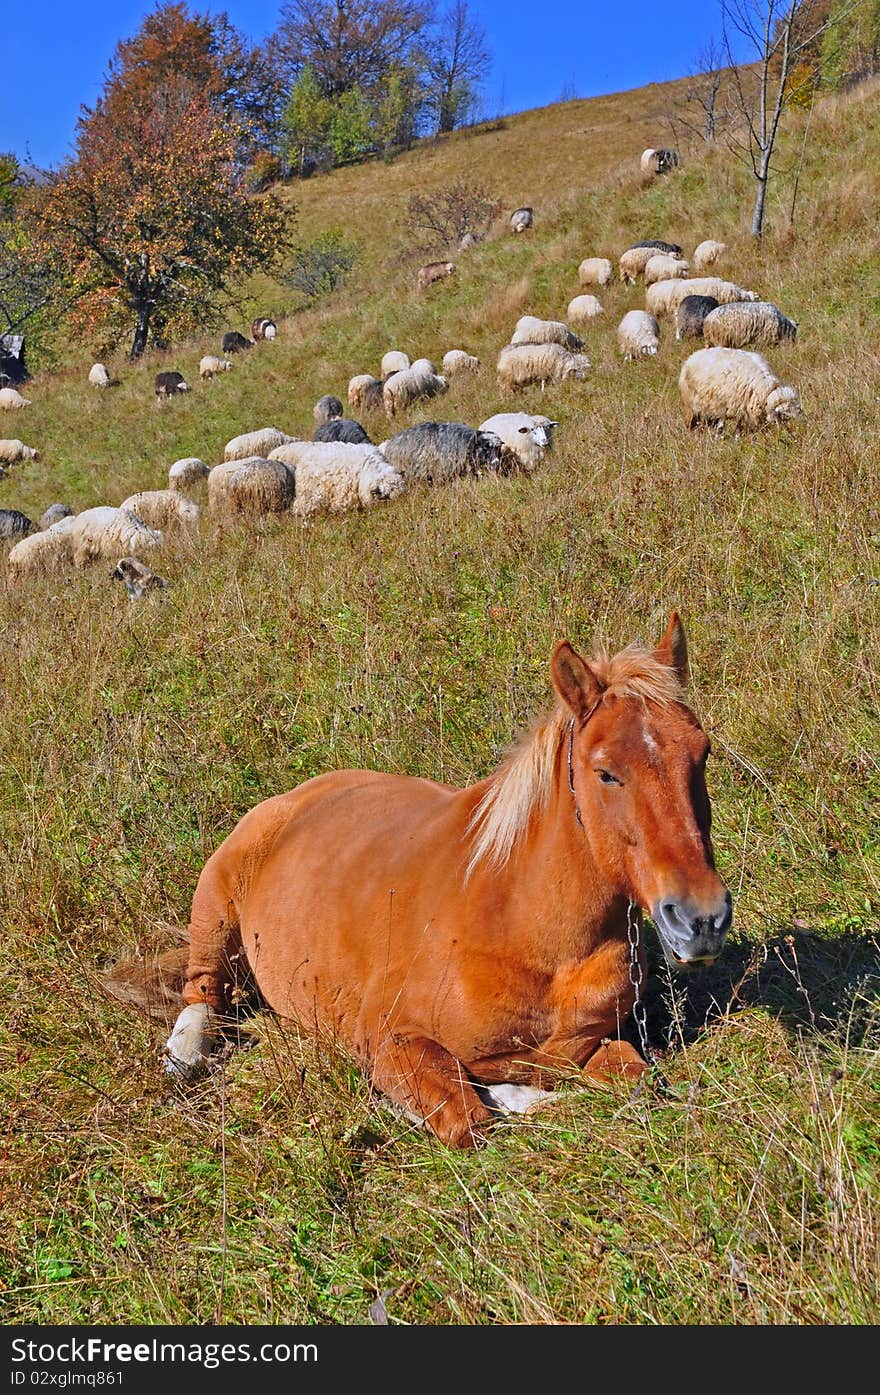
255	443
583	309
332	476
98	376
263	328
137	577
392	362
326	409
187	473
757	323
434	271
658	161
41	553
522	364
595	271
525	439
434	452
13	452
720	385
633	261
53	514
365	392
165	509
233	342
691	315
467	239
251	487
412	384
14	524
638	335
530	330
109	532
522	218
211	365
708	254
664	297
11	399
663	267
458	361
671	248
342	429
170	384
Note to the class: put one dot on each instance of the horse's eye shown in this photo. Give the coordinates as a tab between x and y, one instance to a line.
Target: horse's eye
607	778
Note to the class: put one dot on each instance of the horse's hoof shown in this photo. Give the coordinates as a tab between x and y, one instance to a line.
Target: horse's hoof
190	1044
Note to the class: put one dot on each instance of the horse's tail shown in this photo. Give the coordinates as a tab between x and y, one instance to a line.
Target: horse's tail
153	981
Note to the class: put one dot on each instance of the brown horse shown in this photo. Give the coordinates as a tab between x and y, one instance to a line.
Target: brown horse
455	938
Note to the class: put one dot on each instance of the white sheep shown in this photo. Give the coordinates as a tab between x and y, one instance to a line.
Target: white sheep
364	391
393	361
532	330
13	452
98	376
165	509
525	439
658	161
187	473
211	364
255	443
663	267
638	335
719	385
595	271
633	261
412	384
334	476
42	553
664	297
11	399
458	361
757	323
708	254
253	487
521	218
109	532
521	364
583	309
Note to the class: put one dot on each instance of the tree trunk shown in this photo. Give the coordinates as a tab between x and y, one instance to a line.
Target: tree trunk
757	228
141	333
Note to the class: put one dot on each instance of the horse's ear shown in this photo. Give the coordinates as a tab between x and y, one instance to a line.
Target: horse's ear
672	649
574	681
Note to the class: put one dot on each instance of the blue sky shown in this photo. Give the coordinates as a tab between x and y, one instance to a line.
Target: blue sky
55	54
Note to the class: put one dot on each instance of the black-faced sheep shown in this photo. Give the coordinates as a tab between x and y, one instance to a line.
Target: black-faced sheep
263	328
707	254
255	443
412	384
595	271
14	524
137	577
434	452
433	271
757	324
14	452
342	429
234	343
691	315
250	487
720	385
522	364
521	219
658	161
332	476
327	408
638	335
210	365
170	384
525	439
532	330
98	376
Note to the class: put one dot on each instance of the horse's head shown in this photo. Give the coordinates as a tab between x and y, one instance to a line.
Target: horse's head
638	769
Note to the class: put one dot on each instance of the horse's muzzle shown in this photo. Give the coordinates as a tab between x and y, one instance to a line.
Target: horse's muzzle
692	935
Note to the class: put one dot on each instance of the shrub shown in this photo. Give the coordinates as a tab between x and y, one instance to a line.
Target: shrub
320	266
438	219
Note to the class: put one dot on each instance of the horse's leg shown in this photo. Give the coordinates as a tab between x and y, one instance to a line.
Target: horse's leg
214	938
431	1085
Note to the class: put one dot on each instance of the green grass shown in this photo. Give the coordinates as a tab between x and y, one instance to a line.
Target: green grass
416	638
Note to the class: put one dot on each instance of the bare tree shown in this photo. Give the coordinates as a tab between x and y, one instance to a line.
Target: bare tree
782	35
347	43
457	60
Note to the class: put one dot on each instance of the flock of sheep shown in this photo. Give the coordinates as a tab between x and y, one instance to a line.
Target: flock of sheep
267	471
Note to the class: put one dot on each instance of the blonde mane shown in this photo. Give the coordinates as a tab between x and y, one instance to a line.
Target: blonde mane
522	783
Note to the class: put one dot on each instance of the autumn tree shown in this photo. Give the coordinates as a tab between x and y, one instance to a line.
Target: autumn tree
348	44
151	219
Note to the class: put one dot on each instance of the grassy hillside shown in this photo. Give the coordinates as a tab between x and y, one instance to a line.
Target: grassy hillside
415	637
